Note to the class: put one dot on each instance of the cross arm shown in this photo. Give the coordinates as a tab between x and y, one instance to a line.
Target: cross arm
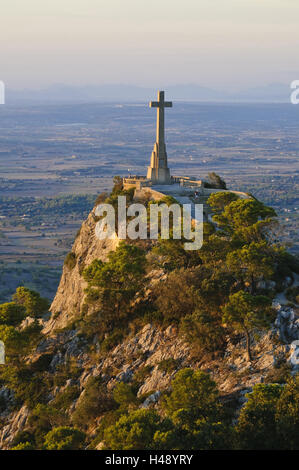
158	104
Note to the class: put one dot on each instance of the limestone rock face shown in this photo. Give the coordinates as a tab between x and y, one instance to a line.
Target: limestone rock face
150	354
144	354
16	424
147	348
287	322
70	294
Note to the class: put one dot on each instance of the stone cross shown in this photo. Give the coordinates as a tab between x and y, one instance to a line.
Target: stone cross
158	170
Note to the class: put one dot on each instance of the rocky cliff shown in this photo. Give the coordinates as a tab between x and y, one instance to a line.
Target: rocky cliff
70	294
149	355
147	352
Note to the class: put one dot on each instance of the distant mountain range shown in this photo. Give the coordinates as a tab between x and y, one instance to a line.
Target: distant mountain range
60	93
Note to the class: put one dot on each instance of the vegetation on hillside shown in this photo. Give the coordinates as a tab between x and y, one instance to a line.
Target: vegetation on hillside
223	291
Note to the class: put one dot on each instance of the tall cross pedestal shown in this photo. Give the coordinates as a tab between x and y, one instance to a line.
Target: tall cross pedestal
158	170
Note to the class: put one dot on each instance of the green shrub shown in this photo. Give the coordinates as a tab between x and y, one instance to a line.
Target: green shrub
23	437
101	198
11	314
112	340
42	419
256	426
124	395
287	415
111	286
125	266
13	339
68	370
64	438
219	200
203	331
279	374
32	389
35	305
194	397
23	446
172	255
108	419
32	334
153	316
215	181
65	399
177	296
169	365
142	374
134	431
95	401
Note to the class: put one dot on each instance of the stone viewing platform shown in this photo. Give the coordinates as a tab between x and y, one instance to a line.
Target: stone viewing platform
139	182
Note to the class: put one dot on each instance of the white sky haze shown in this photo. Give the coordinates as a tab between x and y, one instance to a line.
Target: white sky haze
217	43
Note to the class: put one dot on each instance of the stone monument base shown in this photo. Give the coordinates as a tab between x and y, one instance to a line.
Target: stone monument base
158	175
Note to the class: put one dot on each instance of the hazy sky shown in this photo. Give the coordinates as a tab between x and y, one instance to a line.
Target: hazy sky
217	43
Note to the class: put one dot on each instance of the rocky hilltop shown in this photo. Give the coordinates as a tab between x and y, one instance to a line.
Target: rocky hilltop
118	335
